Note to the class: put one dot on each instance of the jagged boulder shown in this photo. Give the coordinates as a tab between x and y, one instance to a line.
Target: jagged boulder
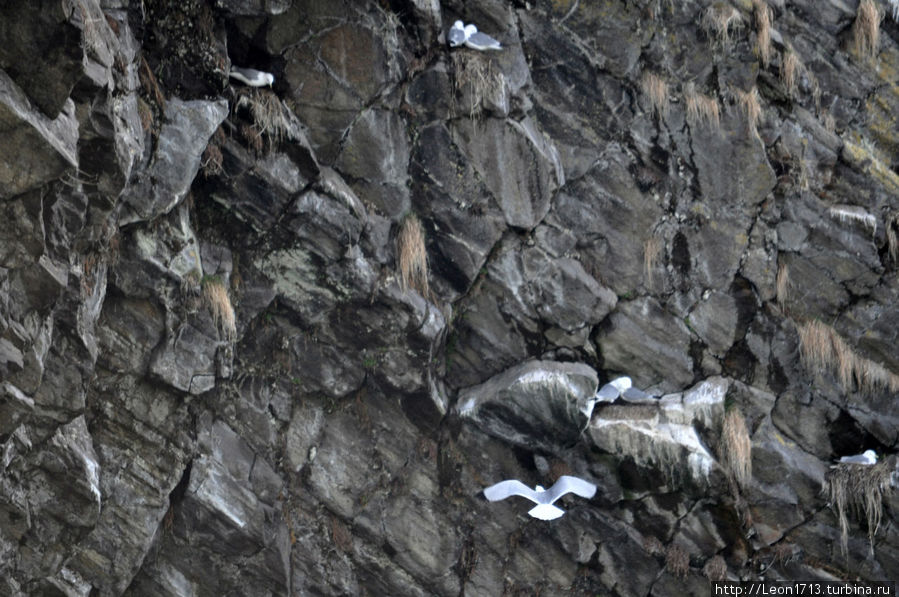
539	403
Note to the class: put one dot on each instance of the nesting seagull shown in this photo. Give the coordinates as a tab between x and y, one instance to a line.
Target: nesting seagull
457	35
544	498
468	35
867	457
251	76
476	40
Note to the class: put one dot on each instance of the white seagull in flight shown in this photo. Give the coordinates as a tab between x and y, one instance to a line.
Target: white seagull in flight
544	498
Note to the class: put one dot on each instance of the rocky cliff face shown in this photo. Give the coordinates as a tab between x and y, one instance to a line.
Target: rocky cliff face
275	341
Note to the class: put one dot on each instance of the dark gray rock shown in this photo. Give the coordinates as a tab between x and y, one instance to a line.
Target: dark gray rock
462	221
253	7
611	218
186	360
649	343
714	319
539	403
186	131
38	149
44	34
375	156
519	166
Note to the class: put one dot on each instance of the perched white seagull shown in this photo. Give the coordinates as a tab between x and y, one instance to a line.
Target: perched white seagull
866	457
457	35
621	387
544	498
251	76
476	40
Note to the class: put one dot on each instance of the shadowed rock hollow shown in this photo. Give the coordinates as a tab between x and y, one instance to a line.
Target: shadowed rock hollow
215	379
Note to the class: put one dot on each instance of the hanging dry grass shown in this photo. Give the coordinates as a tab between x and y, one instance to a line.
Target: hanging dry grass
822	349
751	105
715	569
220	304
866	29
475	79
412	256
719	20
701	109
656	90
790	70
268	113
677	561
858	488
762	30
735	450
783	284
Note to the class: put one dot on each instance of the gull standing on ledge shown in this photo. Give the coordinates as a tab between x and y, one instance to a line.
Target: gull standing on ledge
544	498
252	77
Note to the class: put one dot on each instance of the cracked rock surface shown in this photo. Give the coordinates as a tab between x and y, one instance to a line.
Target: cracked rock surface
227	367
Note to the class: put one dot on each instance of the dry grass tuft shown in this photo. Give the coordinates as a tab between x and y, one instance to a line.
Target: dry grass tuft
783	552
701	108
413	257
866	29
653	546
823	349
715	569
816	346
269	115
252	137
677	561
858	488
762	30
751	105
475	80
651	250
655	89
735	450
783	284
789	71
220	304
720	19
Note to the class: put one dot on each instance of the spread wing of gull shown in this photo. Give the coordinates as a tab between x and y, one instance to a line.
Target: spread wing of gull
867	457
457	34
251	76
569	484
480	41
505	489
